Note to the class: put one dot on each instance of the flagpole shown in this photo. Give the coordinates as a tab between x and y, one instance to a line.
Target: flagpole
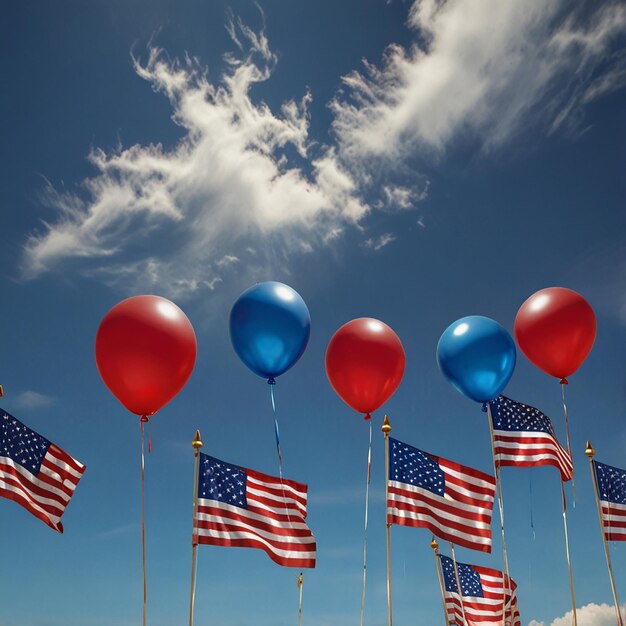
300	584
143	420
435	546
368	417
386	428
569	563
196	444
1	392
458	584
590	452
496	469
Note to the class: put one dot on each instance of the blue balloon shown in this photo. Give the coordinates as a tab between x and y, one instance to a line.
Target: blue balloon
269	328
477	356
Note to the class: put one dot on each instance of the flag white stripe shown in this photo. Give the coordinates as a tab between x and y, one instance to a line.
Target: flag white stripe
300	495
287	554
467	511
58	461
260	531
19	490
33	480
250	515
423	517
467	478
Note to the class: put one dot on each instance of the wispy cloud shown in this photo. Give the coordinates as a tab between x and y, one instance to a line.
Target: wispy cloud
247	185
376	243
118	530
588	615
240	172
480	68
32	400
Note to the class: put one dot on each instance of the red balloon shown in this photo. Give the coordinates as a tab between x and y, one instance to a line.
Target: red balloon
365	363
145	352
555	328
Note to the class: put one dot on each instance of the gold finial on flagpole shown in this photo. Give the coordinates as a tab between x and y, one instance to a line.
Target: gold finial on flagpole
434	544
589	451
196	444
386	427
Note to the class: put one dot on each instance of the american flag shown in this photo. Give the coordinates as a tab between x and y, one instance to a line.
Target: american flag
612	491
524	437
243	508
35	473
453	501
485	598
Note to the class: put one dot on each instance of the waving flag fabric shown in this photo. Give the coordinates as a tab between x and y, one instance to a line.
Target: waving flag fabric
243	508
35	473
524	436
485	599
612	491
453	501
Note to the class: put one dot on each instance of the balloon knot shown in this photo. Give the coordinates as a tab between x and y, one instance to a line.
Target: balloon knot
563	381
367	417
143	419
271	381
484	407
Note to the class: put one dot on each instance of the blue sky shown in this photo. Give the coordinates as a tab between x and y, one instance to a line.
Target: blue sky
414	162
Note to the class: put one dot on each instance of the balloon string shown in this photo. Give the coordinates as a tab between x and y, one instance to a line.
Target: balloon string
530	491
271	382
142	421
367	498
569	447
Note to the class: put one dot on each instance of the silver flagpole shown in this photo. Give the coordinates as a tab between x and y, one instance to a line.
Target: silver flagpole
435	546
196	445
367	500
458	583
590	452
569	563
496	469
386	428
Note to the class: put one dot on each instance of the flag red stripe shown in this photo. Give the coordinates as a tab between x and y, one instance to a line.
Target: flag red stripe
259	525
234	527
517	449
251	543
30	485
423	513
440	503
26	503
442	533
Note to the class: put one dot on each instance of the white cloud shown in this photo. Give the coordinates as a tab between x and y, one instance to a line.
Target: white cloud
376	243
481	67
247	185
240	172
588	615
227	260
401	197
32	400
